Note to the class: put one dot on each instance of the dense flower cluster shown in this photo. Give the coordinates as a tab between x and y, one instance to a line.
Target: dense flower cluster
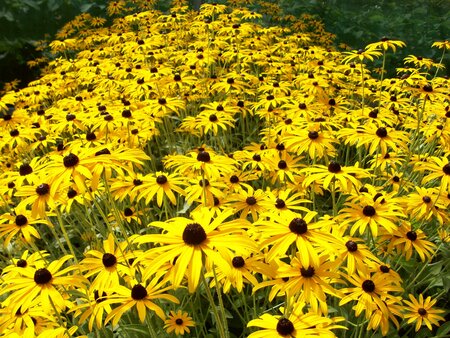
171	160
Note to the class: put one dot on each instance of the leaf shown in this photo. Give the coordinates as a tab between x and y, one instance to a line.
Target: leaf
32	4
53	5
443	330
7	15
86	7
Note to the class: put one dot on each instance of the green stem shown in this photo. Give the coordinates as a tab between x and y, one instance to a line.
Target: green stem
220	327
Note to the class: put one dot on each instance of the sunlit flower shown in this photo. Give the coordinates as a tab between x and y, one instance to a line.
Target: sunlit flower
140	296
178	323
193	240
422	312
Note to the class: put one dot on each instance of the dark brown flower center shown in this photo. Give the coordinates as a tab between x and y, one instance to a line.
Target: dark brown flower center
213	118
104	151
427	88
256	157
138	292
313	135
21	220
285	327
411	235
368	286
179	321
381	132
72	193
234	179
384	268
307	273
369	211
109	260
203	156
351	246
43	189
298	226
282	164
161	179
128	212
422	311
126	113
426	199
446	169
194	234
25	169
334	167
98	298
280	204
42	276
71	160
238	262
22	263
90	136
250	200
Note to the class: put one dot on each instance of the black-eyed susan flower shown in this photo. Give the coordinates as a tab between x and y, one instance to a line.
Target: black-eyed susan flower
91	309
439	169
20	223
370	292
406	241
196	163
141	296
334	175
193	240
310	283
249	202
241	271
109	266
422	311
373	214
40	198
44	283
178	323
26	323
161	184
312	141
281	232
297	324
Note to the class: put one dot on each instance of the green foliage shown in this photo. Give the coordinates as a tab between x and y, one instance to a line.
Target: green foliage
358	23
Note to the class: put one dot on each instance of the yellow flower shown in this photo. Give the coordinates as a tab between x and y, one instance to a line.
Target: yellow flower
107	266
20	222
140	296
370	53
192	240
386	43
178	323
45	283
422	312
334	176
297	324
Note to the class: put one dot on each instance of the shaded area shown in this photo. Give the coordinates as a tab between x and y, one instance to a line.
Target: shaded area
355	23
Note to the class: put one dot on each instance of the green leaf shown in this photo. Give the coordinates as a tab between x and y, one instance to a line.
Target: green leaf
53	5
443	330
32	4
7	15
